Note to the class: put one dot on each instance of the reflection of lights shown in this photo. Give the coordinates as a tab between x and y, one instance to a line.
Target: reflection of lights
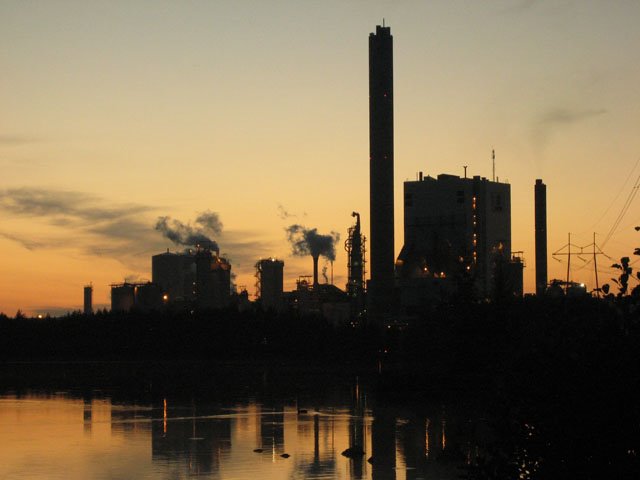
444	436
426	437
164	416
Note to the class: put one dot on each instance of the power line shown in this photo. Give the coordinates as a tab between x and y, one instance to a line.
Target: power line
618	195
624	210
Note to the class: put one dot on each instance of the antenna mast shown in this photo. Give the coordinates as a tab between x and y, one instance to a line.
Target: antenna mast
493	159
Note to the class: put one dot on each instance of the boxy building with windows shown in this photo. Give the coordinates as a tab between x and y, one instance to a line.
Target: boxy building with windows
457	240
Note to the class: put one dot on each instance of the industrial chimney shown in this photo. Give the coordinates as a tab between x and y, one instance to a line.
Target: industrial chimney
88	299
540	191
315	269
381	169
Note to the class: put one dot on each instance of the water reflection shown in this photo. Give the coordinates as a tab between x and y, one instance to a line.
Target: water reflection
60	436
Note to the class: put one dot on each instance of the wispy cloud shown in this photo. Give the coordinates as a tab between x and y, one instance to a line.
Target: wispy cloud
552	120
284	214
80	220
14	140
122	231
27	243
64	205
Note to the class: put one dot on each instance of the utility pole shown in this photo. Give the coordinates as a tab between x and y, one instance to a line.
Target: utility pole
593	249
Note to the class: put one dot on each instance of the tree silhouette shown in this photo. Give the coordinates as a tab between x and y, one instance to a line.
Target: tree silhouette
626	272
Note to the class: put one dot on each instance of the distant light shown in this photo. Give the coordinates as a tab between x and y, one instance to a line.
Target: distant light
165	297
39	315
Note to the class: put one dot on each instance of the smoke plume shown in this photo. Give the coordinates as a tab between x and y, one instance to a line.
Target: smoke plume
207	224
306	241
552	120
324	273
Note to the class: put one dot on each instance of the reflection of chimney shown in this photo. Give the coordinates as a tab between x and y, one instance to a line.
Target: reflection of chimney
540	190
315	270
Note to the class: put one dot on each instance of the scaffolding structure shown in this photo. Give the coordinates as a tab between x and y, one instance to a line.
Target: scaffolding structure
356	260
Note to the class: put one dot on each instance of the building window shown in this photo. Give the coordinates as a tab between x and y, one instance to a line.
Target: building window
460	196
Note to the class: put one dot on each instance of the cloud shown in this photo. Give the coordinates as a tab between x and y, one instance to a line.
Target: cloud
64	205
122	231
284	214
83	221
15	140
550	121
29	244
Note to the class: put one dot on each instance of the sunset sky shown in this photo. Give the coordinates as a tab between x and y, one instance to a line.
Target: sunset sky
117	113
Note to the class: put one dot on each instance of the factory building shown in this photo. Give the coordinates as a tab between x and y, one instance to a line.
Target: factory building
213	280
143	296
457	235
318	299
201	278
270	283
175	273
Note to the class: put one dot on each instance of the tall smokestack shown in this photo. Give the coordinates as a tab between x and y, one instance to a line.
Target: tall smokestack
88	299
381	169
540	191
315	270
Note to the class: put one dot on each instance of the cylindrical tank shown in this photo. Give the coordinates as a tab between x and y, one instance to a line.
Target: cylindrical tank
122	297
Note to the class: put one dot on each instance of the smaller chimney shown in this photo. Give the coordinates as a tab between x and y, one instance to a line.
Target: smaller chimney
315	270
88	299
540	200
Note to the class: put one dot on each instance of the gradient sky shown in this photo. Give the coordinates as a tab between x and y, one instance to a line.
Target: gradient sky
115	113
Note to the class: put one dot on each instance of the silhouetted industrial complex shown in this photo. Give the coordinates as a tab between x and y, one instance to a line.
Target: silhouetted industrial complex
457	243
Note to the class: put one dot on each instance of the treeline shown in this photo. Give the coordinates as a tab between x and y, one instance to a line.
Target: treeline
199	335
498	341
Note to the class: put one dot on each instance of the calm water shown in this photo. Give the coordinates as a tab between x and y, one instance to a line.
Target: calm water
215	432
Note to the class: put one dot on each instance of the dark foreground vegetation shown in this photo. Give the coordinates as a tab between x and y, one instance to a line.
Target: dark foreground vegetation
558	379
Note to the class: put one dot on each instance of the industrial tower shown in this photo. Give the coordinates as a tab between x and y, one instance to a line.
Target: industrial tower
355	247
269	284
380	289
540	194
